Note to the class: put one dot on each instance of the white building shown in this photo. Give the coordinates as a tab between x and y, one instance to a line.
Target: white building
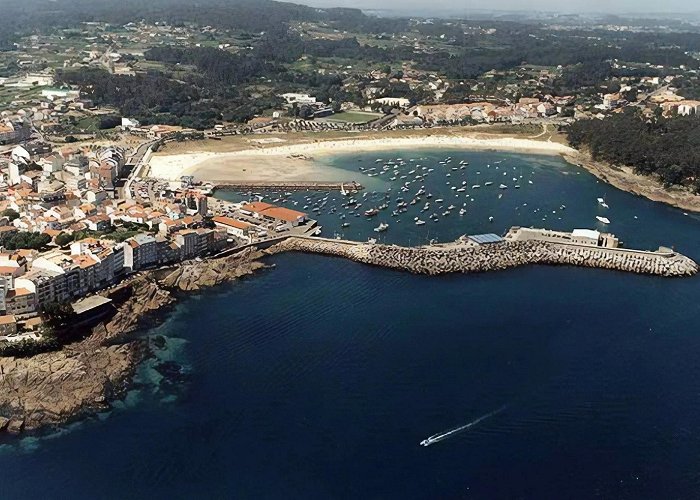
293	98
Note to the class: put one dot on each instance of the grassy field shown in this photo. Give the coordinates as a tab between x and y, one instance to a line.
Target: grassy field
9	94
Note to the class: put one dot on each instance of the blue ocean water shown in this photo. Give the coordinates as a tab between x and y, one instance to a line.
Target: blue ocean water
319	378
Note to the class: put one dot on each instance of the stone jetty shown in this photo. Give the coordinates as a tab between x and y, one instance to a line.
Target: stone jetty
350	186
465	257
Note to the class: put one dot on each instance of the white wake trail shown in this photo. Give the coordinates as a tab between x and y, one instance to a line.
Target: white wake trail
436	438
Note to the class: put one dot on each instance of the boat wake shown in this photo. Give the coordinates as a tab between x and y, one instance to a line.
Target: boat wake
436	438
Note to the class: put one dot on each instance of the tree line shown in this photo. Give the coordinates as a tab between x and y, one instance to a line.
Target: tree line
668	147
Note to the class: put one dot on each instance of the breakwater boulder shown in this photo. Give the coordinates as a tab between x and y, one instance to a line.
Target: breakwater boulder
467	258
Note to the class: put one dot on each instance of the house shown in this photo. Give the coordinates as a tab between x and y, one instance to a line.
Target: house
100	222
8	325
397	102
611	100
20	301
294	98
234	227
686	108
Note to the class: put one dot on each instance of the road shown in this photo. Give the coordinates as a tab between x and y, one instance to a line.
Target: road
137	160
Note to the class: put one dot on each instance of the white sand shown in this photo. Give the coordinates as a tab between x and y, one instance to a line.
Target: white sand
277	163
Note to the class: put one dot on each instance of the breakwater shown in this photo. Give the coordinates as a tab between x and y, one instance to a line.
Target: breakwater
350	187
467	258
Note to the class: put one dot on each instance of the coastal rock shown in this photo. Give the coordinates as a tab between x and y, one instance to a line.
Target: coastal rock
195	275
53	388
15	426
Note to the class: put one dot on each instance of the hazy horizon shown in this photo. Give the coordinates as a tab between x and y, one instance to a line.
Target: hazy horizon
629	7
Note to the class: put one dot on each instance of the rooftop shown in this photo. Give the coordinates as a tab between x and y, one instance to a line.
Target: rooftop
88	303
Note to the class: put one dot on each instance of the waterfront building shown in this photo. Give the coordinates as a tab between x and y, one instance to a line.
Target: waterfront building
281	218
234	227
587	237
140	251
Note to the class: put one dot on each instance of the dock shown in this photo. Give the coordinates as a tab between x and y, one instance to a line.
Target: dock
350	187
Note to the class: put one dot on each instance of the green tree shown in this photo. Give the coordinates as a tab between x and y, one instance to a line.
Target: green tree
10	214
63	239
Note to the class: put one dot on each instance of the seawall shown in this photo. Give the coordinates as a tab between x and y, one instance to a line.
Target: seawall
465	258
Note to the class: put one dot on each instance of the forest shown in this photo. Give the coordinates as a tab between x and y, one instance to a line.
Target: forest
668	147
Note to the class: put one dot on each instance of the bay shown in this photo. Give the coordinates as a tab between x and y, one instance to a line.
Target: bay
319	378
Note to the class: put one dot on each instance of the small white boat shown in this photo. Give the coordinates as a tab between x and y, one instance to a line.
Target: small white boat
381	228
420	222
502	186
488	183
604	220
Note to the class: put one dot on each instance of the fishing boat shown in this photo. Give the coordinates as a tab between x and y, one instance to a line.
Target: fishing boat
381	228
604	220
371	212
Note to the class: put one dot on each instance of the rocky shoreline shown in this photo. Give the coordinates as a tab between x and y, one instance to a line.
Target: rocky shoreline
55	388
625	179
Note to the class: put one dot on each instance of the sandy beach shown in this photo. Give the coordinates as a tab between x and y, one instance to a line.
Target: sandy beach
297	162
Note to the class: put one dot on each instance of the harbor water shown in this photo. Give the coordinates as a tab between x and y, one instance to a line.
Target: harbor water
320	377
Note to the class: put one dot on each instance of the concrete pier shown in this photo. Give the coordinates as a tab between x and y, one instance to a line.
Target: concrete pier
351	187
468	258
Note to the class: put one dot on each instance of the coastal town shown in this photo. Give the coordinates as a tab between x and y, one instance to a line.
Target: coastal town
69	230
89	197
141	157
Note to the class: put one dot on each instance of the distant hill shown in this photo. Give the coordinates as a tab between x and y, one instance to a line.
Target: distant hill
253	15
